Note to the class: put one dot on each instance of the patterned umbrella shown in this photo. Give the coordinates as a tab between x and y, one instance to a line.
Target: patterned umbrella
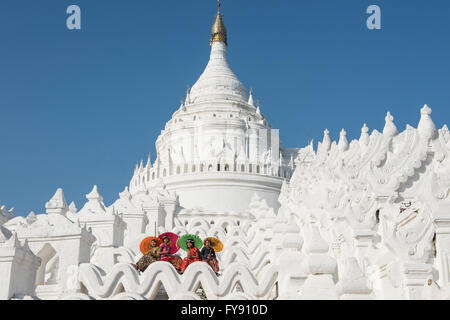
173	241
182	241
145	244
216	244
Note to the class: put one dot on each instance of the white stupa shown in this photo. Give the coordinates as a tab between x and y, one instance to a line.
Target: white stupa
217	150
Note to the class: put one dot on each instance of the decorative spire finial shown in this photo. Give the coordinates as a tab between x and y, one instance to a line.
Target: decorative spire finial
57	204
326	143
426	127
365	138
94	194
188	96
250	98
343	143
426	110
149	161
390	129
365	129
219	32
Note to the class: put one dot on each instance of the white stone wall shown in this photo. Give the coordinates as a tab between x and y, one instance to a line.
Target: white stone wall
381	205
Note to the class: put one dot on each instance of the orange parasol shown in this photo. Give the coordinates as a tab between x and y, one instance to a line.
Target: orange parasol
216	244
145	244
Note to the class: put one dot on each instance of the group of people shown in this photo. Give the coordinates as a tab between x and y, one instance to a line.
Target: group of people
164	249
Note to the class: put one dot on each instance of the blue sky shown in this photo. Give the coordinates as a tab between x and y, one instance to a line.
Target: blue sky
79	108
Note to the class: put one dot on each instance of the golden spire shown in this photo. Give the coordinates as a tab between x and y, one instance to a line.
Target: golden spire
219	32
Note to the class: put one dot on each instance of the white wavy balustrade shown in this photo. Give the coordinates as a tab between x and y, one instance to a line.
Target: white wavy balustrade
125	282
245	265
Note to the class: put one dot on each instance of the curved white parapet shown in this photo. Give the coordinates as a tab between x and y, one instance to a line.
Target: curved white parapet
124	279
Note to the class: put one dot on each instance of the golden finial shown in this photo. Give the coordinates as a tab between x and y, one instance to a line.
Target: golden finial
219	32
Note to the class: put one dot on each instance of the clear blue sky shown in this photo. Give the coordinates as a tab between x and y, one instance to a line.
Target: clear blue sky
79	108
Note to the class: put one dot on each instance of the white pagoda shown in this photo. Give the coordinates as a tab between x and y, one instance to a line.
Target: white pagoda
365	219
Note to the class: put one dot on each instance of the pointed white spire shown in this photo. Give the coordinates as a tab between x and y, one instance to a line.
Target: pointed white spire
149	161
250	99
311	145
94	195
73	207
326	143
57	204
365	138
426	127
343	143
182	104
390	129
188	97
94	205
125	194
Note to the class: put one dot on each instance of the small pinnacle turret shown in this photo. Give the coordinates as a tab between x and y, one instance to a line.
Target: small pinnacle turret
250	99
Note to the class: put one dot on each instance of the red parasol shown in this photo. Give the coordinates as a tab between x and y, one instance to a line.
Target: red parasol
173	241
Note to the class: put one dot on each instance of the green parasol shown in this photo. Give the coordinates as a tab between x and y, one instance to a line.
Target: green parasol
197	241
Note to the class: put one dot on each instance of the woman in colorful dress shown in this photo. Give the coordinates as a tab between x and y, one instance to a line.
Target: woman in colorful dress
153	254
208	255
193	255
167	256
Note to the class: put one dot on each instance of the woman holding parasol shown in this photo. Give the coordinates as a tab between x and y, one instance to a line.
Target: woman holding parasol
208	253
168	249
151	251
191	244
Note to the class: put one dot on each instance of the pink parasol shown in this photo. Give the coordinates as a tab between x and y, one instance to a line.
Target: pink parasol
173	241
